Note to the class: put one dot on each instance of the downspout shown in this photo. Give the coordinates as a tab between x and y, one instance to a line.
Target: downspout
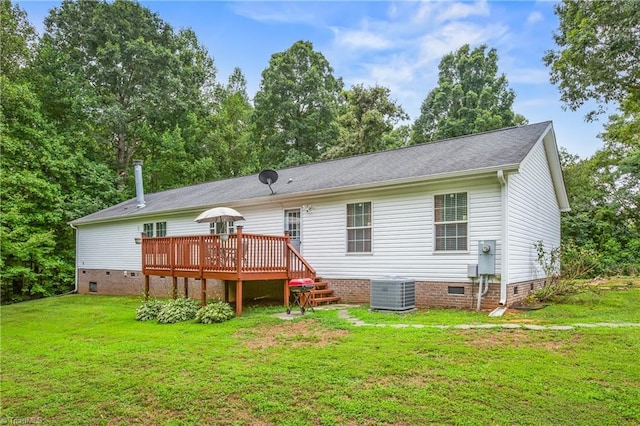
504	263
75	261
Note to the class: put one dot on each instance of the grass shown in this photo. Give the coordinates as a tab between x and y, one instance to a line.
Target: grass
85	360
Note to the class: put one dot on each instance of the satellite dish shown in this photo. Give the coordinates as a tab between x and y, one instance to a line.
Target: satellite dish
268	177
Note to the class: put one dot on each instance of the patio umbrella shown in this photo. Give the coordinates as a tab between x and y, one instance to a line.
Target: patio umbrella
219	214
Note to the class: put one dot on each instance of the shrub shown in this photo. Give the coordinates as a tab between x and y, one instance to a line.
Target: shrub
181	309
579	261
149	310
217	311
553	286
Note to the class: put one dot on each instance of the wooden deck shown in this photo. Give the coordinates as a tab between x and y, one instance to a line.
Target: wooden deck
240	257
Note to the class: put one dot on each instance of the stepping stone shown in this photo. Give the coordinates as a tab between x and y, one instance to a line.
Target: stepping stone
533	327
511	326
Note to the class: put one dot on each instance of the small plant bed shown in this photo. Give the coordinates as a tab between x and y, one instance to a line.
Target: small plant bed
184	309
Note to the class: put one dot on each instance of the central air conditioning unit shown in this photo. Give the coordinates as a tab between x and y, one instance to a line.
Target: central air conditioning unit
393	294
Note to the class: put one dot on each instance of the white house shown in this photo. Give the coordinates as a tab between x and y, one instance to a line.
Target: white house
417	212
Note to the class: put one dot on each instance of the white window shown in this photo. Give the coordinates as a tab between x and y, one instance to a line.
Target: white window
218	228
158	229
161	229
359	228
450	219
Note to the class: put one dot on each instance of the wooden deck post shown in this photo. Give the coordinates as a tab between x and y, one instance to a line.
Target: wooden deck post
186	286
239	251
238	298
203	289
146	287
286	293
175	287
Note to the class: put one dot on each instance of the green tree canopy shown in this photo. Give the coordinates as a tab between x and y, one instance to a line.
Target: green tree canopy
43	185
296	107
598	53
597	59
124	69
367	120
232	128
471	97
17	37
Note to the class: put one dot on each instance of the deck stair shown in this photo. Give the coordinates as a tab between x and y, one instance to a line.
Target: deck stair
321	294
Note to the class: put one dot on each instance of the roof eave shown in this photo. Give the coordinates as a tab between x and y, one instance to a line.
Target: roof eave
405	182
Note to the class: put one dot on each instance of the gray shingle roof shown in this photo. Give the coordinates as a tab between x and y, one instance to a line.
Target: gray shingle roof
466	154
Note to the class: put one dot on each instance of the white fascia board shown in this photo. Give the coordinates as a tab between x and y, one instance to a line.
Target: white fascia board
555	168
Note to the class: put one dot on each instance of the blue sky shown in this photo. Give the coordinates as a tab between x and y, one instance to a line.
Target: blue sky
393	44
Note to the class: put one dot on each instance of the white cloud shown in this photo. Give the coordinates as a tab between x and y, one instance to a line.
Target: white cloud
401	50
279	12
454	35
534	17
455	11
360	39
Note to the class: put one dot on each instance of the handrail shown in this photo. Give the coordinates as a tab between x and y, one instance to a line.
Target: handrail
306	272
238	254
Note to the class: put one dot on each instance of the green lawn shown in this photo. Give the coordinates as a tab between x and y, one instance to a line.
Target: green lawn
85	360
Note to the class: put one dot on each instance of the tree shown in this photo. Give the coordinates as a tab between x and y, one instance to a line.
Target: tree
604	219
123	69
598	60
470	97
231	128
296	107
599	52
18	37
42	187
366	122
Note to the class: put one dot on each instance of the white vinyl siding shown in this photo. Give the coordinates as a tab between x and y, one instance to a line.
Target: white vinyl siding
109	246
402	221
403	244
533	215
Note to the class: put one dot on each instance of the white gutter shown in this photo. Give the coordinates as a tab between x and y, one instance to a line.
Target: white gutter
504	264
75	261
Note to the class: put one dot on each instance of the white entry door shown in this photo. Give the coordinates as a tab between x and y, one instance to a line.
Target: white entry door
293	226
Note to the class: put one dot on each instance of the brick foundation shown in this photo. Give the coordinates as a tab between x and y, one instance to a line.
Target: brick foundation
429	294
519	291
131	283
432	294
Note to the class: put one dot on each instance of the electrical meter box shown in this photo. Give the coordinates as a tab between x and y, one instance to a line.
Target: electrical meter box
487	257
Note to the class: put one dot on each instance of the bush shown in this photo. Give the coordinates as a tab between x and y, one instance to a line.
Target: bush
553	287
181	309
579	261
217	311
560	289
149	310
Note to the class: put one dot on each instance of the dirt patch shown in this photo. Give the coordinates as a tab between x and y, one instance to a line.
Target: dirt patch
519	338
292	334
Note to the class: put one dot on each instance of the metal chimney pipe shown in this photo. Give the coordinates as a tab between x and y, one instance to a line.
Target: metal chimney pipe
137	171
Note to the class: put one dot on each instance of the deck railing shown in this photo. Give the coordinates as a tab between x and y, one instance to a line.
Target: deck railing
240	254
